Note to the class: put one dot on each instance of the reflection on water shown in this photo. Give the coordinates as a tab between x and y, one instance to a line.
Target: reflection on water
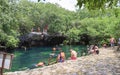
23	59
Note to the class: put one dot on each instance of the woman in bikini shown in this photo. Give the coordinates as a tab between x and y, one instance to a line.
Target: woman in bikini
61	56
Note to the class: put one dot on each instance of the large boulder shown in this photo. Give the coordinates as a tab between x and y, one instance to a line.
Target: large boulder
37	35
40	39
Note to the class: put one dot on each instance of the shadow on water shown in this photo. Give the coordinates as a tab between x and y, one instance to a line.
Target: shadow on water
24	59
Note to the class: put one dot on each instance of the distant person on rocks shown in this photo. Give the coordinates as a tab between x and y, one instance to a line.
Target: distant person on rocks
38	29
95	48
105	45
61	57
118	44
73	54
112	42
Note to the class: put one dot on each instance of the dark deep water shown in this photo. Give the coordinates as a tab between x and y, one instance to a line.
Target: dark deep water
24	59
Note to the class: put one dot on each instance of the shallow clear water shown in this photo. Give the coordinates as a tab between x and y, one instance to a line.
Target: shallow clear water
24	59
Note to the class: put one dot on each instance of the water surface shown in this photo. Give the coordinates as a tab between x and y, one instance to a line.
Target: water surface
24	59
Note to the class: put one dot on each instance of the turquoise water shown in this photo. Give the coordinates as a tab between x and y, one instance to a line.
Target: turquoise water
24	59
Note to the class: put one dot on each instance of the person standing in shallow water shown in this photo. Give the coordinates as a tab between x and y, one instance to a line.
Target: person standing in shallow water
112	42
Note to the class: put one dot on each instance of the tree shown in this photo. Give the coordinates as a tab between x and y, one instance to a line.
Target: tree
97	4
17	17
8	25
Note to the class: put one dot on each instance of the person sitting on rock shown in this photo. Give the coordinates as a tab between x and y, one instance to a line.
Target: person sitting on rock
61	56
73	54
95	49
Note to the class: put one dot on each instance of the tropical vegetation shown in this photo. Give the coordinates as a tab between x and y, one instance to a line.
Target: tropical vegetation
18	17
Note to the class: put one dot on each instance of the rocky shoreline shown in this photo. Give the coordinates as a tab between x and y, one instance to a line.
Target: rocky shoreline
106	63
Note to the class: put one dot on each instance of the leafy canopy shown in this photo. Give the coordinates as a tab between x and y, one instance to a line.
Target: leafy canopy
97	4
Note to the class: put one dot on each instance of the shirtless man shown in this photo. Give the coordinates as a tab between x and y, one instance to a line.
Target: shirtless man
73	54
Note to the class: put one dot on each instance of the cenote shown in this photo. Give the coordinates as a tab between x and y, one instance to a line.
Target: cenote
24	59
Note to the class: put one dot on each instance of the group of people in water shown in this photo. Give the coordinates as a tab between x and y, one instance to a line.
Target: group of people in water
61	57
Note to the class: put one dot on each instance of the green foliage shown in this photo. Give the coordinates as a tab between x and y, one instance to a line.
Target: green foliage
101	25
19	17
73	35
11	41
97	4
2	37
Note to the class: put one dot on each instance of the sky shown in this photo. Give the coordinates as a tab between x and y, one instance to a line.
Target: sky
67	4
